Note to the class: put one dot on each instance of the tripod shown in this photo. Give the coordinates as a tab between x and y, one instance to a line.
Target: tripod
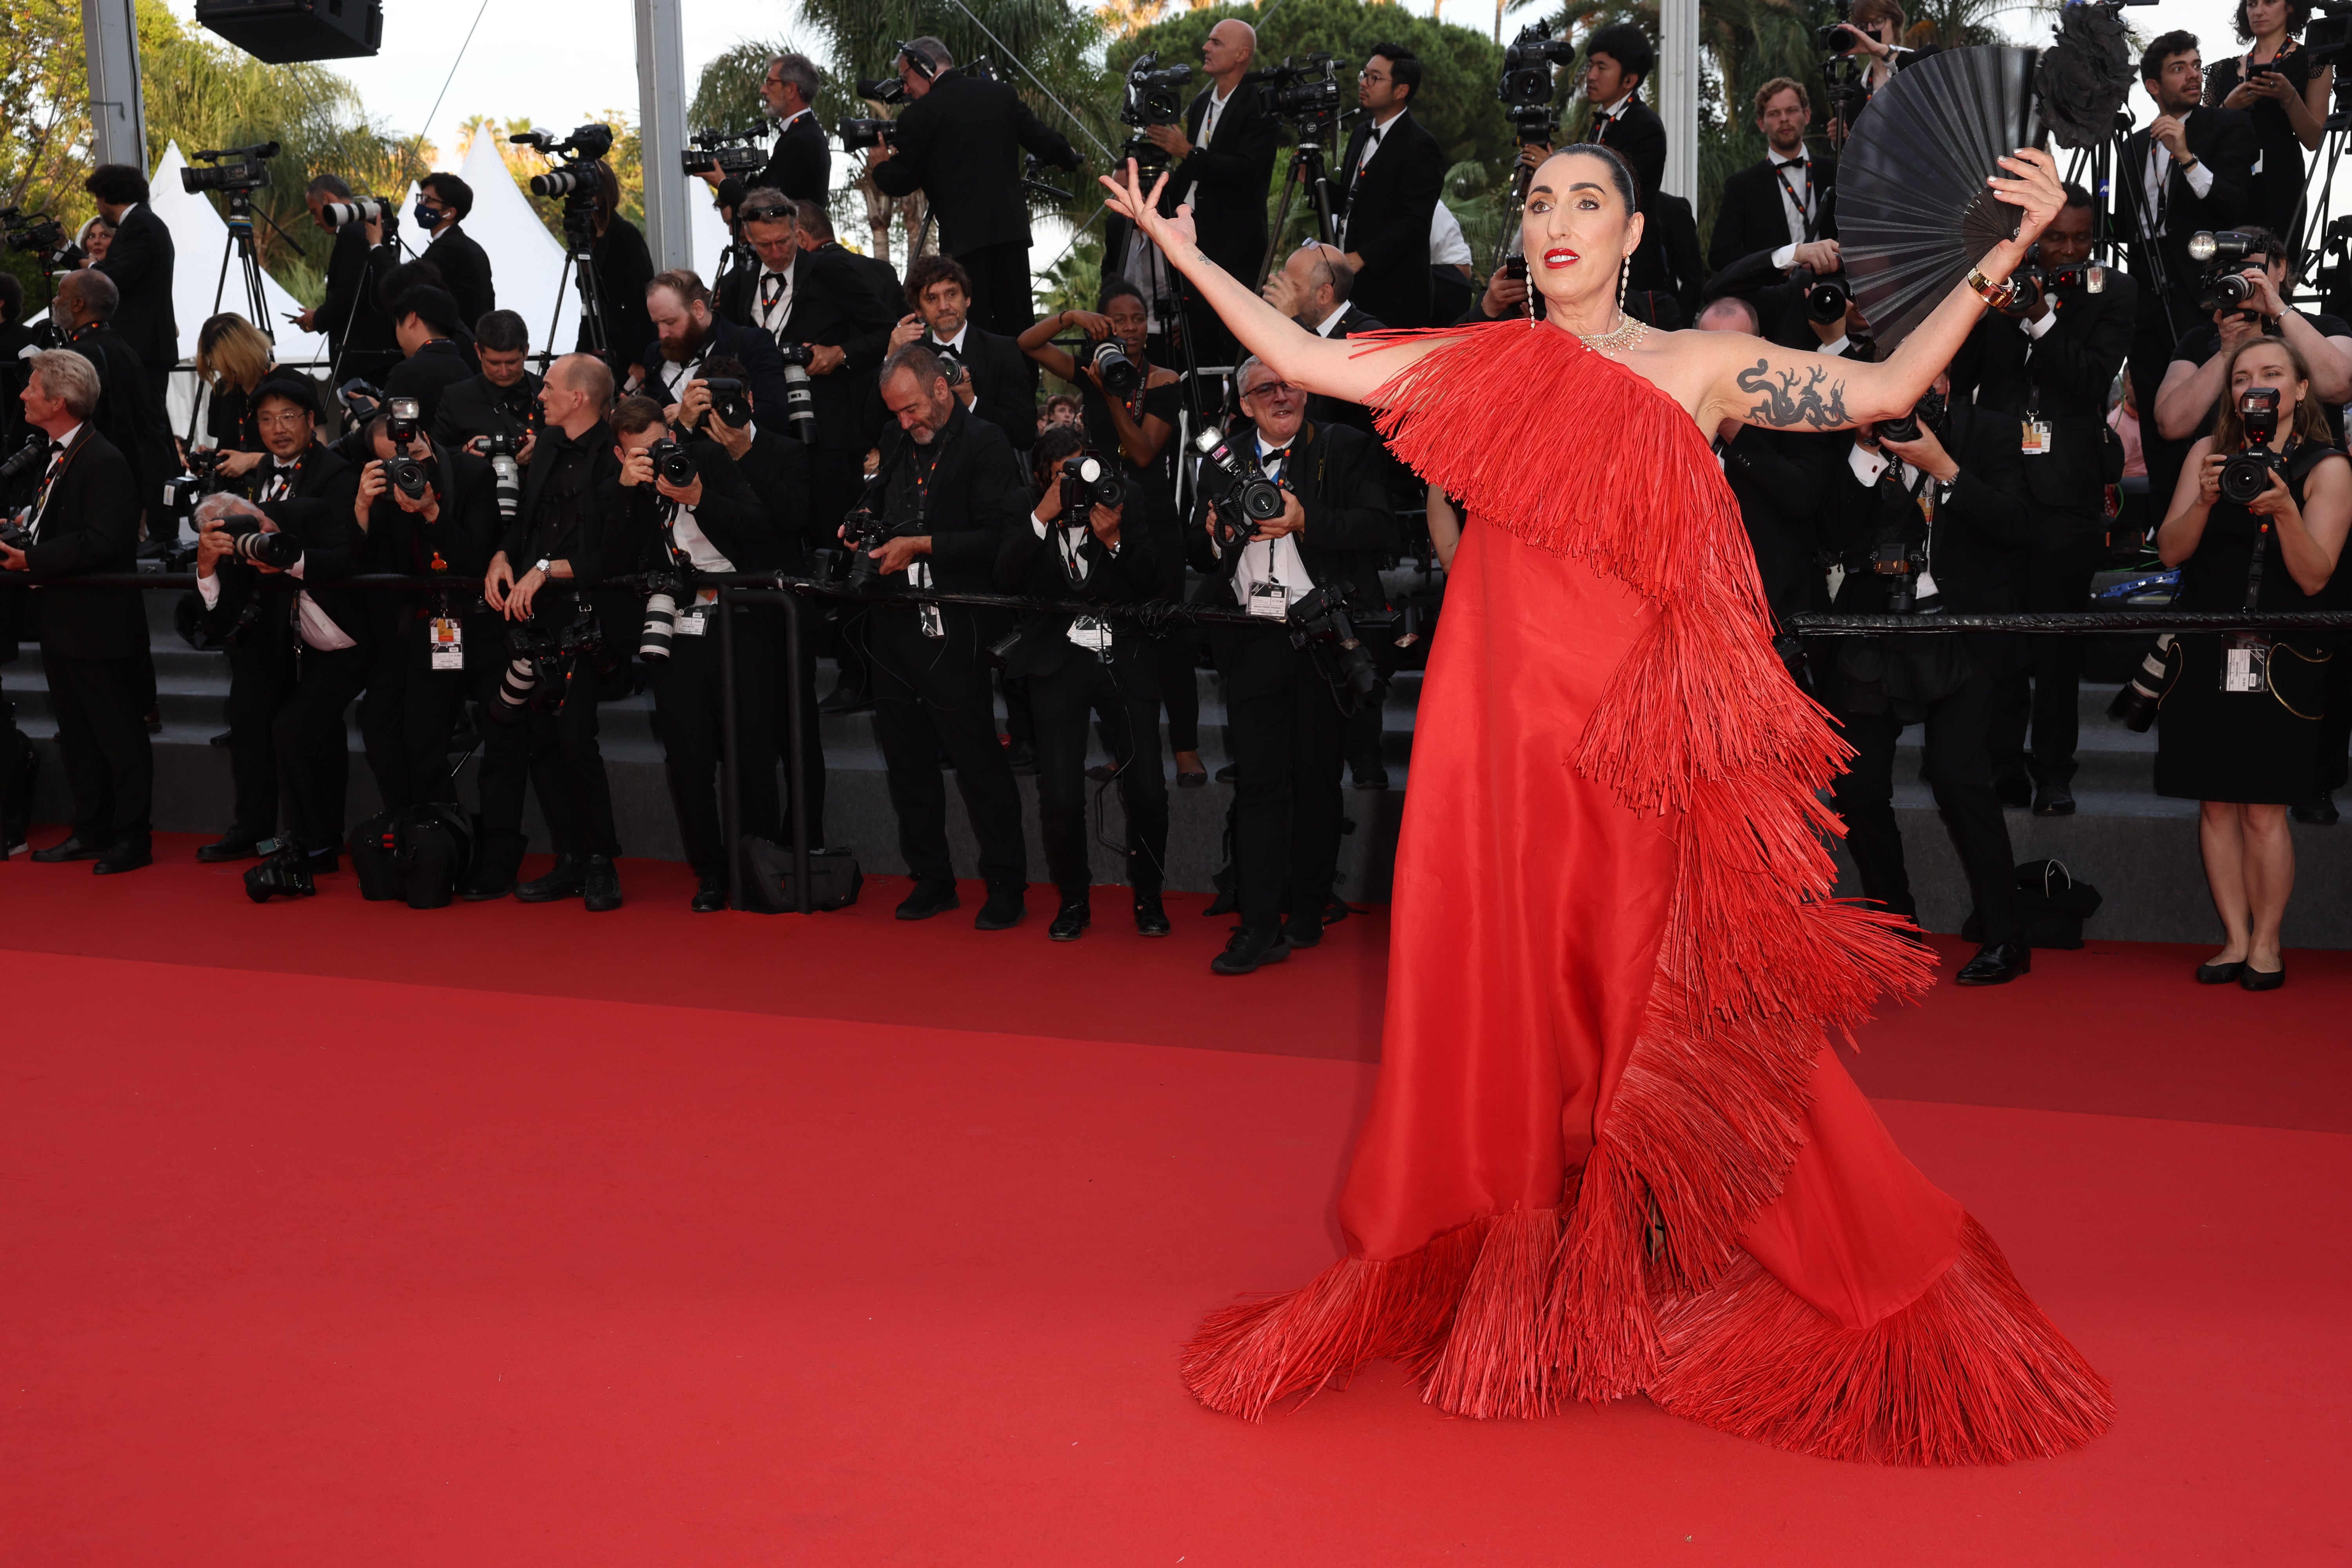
2311	214
1305	169
239	244
1507	235
580	268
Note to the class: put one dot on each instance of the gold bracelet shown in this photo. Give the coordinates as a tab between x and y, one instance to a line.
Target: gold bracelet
1999	296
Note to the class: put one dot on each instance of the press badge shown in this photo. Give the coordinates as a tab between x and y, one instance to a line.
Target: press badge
2245	666
2036	441
447	638
935	625
1270	601
1091	635
694	621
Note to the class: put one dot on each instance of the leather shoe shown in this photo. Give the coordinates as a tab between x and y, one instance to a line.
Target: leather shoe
1248	947
2319	812
72	848
845	699
2220	974
710	895
124	855
2262	979
1192	781
1102	772
1151	915
2052	798
1229	772
1297	933
564	879
488	883
1021	757
600	884
928	898
231	847
1007	902
1372	778
1070	921
1997	963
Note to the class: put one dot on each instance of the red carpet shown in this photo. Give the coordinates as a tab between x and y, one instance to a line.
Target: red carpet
725	1262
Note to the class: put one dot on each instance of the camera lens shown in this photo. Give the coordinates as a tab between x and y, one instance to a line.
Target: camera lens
660	628
2246	477
1120	375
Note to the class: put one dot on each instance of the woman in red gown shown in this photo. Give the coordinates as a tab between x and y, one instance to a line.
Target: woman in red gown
1611	1151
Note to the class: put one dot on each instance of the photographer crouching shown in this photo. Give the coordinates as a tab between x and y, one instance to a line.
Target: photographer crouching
1078	665
562	644
692	513
935	515
1288	557
1929	514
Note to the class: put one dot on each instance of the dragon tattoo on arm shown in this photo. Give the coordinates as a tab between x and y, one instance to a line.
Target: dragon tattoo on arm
1819	403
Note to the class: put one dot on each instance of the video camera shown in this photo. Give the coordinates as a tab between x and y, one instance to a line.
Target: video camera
579	179
237	171
44	236
1528	90
856	135
2327	37
1243	496
727	151
2225	286
1303	89
2248	472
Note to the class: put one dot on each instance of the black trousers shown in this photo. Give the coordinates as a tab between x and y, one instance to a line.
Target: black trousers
1959	769
2335	724
260	673
1179	691
431	702
1063	702
2155	331
836	480
314	756
383	722
689	716
1002	301
780	721
1283	722
2067	552
110	766
932	693
557	755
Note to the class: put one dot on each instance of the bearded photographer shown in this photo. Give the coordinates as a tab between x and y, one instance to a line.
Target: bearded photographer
685	332
1922	526
997	382
436	647
359	334
83	520
502	399
571	527
1285	709
712	524
442	203
959	141
139	262
947	488
800	162
2047	361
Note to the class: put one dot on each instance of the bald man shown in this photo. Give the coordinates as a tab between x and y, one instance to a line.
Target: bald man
1220	160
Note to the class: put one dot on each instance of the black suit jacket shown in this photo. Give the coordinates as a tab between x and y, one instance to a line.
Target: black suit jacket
90	526
1338	477
1667	264
1225	180
834	301
465	271
1004	388
318	512
1977	550
960	145
764	367
140	264
474	407
800	164
730	515
1779	477
452	549
353	318
2225	142
1388	212
777	467
976	489
1753	217
624	267
2065	376
1028	564
1639	137
1354	322
127	413
424	374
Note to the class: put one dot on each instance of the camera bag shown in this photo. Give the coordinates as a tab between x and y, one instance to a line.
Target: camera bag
834	878
371	846
433	847
2051	907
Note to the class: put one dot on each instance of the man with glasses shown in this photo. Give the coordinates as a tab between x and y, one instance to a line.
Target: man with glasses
442	203
1386	187
800	163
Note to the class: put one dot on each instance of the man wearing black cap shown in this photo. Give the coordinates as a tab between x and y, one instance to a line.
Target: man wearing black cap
424	321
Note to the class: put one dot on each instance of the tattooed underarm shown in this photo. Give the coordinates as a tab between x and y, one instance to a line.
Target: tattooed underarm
1806	398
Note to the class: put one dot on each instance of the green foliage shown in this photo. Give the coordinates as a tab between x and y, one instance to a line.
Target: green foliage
1074	282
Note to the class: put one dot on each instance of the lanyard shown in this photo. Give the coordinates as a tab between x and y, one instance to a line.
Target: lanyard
2262	540
1804	204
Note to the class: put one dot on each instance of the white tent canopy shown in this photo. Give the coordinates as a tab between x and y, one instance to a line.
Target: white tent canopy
526	261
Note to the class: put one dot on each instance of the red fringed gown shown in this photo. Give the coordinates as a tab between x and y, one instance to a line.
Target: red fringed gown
1611	1151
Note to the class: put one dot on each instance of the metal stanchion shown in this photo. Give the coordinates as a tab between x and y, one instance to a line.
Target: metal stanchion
730	792
730	803
795	754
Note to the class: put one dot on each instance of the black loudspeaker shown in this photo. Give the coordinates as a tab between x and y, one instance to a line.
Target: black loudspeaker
282	32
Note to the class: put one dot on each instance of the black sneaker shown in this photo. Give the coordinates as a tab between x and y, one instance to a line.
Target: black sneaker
2052	798
1007	902
488	883
566	880
928	898
1248	947
1297	933
600	884
710	894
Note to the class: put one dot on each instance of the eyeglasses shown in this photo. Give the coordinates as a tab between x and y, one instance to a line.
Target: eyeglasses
769	214
288	419
1272	389
1368	74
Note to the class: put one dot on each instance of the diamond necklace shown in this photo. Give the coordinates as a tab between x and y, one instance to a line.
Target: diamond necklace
1629	331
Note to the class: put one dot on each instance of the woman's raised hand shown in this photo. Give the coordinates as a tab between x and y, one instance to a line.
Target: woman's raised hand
1129	199
2033	188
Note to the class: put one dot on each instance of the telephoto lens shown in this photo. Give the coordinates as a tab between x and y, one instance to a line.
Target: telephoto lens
359	209
800	402
2136	703
25	458
500	450
2227	292
1119	375
672	463
579	179
515	688
660	628
260	549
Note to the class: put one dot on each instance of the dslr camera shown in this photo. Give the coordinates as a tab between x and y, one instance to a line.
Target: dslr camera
1242	495
359	209
725	152
257	548
856	135
1303	89
235	170
728	401
1320	623
2248	472
404	473
863	531
45	237
1527	92
1120	375
24	460
2225	286
1927	414
672	463
202	477
800	402
535	677
2035	284
499	448
1826	297
1087	483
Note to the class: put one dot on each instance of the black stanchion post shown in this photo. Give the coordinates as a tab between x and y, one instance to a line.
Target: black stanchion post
730	792
795	754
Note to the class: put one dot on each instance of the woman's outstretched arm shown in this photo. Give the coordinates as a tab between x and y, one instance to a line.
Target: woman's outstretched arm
1334	367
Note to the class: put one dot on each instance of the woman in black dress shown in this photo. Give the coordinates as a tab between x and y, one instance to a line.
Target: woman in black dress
2240	715
1138	427
2275	82
624	267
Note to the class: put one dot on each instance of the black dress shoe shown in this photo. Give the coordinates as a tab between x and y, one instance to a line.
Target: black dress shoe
2014	791
1192	781
1102	772
1229	772
219	741
72	848
2220	974
1021	757
928	898
232	847
845	699
1151	915
1248	947
600	884
1007	902
488	883
565	880
124	855
1070	921
2052	798
2262	979
710	895
1372	778
2319	812
1996	963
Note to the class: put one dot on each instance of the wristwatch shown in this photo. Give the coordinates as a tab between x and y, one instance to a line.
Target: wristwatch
542	564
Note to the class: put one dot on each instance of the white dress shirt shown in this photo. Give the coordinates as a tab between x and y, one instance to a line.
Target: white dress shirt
770	316
1448	246
2159	175
1275	558
318	627
59	448
1792	173
1328	324
1867	465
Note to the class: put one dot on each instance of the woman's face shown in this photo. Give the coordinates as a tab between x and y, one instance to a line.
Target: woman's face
1128	321
2266	364
101	239
2266	16
1576	232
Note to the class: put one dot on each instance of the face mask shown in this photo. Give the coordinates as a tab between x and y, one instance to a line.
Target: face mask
426	216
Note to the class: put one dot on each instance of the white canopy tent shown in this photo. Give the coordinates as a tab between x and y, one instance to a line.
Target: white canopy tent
526	261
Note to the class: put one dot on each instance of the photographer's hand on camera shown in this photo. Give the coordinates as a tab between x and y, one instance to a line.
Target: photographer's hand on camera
1818	256
1927	453
236	465
213	542
895	555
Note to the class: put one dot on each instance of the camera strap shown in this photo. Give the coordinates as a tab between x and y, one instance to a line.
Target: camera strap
1807	205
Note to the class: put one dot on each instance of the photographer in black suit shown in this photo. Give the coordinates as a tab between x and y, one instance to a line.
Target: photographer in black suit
1315	287
1942	518
998	382
502	399
358	331
1225	155
1384	189
686	330
1788	200
1286	712
139	262
800	162
83	520
2047	363
128	414
571	527
442	203
1083	668
424	323
959	141
1617	61
255	627
948	489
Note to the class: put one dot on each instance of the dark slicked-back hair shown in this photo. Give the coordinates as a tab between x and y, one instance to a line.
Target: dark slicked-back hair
502	333
451	190
2179	41
1404	66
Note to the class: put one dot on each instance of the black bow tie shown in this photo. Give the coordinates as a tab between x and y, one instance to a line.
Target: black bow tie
1277	456
772	287
1793	162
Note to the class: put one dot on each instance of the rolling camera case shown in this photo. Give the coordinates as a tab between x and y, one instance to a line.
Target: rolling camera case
834	878
417	855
